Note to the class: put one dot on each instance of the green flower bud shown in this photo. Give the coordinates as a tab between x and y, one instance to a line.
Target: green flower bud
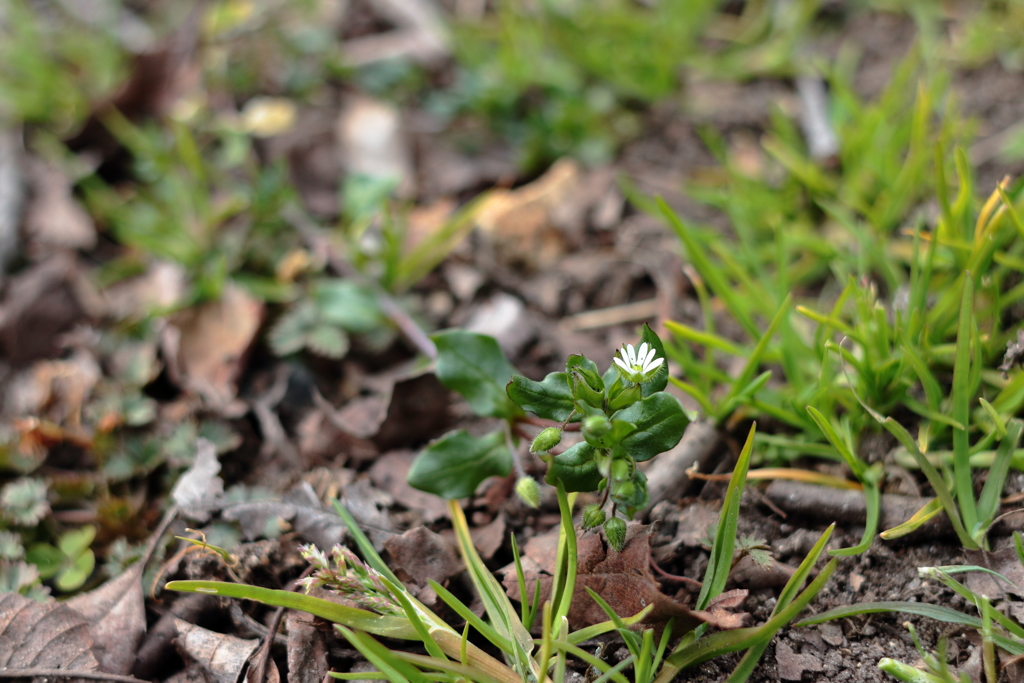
615	532
546	440
597	425
624	490
593	516
620	469
527	489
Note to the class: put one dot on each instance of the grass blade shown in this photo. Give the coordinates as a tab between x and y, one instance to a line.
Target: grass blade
929	510
720	562
921	609
752	656
711	274
961	408
391	627
988	503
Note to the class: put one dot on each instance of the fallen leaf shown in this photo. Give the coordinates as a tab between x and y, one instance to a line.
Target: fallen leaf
373	143
791	664
222	656
197	490
266	117
1004	562
749	574
389	473
53	217
117	616
42	635
691	528
420	555
623	579
215	337
420	34
307	649
489	538
300	507
520	223
161	287
39	304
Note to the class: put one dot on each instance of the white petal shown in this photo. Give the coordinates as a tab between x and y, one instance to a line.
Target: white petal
618	361
641	353
655	364
650	356
632	354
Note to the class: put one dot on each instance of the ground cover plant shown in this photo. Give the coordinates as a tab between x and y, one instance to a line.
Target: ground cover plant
261	256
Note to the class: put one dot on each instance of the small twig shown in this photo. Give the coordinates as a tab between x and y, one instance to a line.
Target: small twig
614	315
66	673
693	583
154	539
260	674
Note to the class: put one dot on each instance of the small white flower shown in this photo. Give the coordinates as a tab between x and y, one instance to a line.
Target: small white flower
638	365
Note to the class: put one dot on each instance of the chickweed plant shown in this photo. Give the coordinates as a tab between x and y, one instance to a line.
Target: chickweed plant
627	400
624	417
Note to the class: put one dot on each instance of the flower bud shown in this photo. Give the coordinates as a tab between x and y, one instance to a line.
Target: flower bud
597	425
620	469
593	516
528	491
624	490
546	440
615	532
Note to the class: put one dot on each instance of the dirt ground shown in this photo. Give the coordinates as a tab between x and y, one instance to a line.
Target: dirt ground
537	292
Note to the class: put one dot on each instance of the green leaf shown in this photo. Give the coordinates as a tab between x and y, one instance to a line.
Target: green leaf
576	468
473	365
660	421
47	559
77	573
550	399
328	341
288	335
348	305
660	379
73	543
454	465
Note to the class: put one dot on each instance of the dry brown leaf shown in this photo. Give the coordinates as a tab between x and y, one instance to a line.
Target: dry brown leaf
117	616
39	304
221	656
750	574
389	473
623	579
374	143
1004	562
489	538
307	649
41	635
160	287
420	555
53	217
519	221
197	490
792	665
214	340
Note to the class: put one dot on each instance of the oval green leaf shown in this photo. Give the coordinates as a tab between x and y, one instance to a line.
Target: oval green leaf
454	465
